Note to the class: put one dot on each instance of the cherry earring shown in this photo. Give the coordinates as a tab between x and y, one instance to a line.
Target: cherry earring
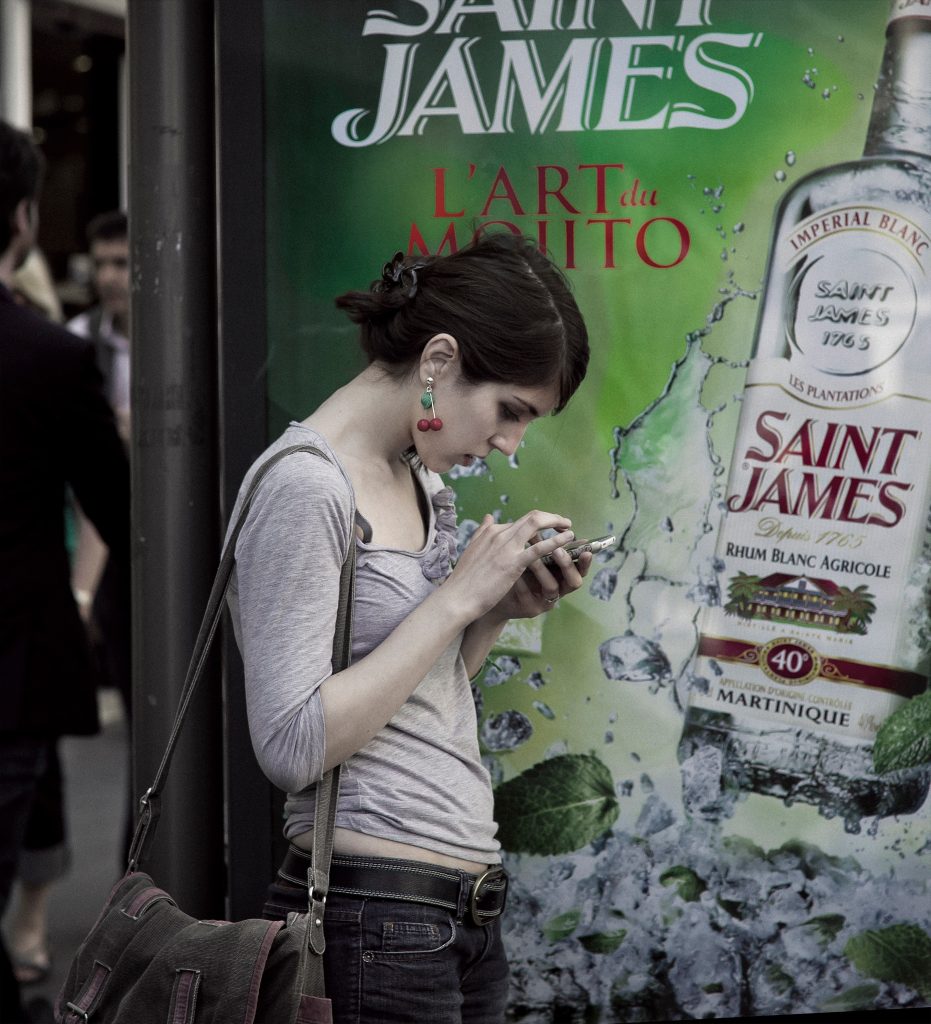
426	400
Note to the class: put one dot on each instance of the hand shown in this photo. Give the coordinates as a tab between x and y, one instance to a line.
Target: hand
499	557
84	600
540	587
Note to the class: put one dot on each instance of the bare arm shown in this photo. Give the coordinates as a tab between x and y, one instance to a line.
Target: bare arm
89	557
302	717
361	700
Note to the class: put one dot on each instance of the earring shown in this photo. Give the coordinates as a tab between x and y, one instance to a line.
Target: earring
426	400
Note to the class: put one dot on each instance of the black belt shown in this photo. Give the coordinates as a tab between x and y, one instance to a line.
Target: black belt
476	898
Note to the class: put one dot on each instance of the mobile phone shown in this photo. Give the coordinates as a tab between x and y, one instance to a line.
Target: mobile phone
577	548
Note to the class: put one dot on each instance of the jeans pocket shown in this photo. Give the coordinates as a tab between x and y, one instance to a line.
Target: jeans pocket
410	963
417	936
403	930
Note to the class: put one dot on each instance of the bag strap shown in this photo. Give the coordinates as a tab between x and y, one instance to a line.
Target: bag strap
150	803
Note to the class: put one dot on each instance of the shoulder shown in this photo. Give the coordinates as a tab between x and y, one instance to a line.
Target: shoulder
303	460
304	476
302	489
34	339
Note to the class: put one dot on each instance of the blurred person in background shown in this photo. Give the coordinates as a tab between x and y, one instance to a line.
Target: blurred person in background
45	855
107	324
57	431
101	584
103	592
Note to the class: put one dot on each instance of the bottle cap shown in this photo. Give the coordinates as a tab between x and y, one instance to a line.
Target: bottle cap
902	9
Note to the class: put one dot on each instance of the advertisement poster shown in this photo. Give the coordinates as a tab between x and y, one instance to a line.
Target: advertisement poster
659	873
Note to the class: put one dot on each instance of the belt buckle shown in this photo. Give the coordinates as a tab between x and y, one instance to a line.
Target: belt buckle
489	875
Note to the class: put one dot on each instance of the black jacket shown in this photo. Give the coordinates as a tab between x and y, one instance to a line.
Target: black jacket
56	431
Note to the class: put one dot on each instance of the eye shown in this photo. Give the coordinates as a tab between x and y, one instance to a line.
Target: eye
507	413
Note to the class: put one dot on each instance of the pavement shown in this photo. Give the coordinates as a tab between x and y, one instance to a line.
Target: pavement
96	793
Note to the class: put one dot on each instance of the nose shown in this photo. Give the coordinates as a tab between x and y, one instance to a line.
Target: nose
508	441
106	273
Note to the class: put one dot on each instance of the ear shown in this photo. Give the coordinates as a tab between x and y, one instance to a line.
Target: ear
440	356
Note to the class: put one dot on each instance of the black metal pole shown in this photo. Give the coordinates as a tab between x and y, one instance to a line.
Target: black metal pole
174	434
253	810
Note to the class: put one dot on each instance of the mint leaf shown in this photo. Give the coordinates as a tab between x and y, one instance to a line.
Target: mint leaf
811	860
901	952
778	979
556	806
689	885
603	942
826	926
860	997
742	847
904	739
562	926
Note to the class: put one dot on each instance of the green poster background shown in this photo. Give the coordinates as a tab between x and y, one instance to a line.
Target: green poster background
661	918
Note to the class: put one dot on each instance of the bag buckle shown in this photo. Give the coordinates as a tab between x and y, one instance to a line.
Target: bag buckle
495	881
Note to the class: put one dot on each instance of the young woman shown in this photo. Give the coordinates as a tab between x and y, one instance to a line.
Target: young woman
464	352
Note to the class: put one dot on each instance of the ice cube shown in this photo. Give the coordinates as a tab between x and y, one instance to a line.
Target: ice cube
506	731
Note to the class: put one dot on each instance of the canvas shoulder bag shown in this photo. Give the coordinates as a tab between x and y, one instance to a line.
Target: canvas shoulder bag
145	960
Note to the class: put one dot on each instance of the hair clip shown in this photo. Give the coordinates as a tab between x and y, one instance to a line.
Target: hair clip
395	275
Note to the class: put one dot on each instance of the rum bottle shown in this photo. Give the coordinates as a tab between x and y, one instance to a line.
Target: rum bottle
822	630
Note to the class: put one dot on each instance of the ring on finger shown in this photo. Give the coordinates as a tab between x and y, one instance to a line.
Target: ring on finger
551	600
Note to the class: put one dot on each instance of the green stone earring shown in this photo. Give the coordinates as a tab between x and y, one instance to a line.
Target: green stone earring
426	400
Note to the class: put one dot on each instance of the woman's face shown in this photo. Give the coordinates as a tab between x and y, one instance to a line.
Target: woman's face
479	418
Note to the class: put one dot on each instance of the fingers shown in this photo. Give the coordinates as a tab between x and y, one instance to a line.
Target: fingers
530	526
536	545
561	576
515	547
567	571
584	563
523	537
546	584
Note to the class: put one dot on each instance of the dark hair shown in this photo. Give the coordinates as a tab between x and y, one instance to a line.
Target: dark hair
107	227
21	167
506	304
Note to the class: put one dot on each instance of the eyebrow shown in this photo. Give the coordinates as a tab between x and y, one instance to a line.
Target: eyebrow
530	408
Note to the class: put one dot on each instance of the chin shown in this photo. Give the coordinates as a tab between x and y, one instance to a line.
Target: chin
437	465
436	462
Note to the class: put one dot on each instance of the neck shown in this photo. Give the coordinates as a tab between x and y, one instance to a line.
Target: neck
120	324
369	418
902	104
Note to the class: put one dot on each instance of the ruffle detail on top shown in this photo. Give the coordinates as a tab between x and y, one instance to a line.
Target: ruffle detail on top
437	562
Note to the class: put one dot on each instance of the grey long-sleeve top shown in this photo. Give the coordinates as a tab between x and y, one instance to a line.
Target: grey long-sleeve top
420	780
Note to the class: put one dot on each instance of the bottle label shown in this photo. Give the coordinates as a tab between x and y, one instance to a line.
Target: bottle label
860	272
827	504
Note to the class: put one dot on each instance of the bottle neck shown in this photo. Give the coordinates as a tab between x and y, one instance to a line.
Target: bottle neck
901	118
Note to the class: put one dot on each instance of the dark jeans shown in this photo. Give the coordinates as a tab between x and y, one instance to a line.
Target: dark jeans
399	962
22	762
